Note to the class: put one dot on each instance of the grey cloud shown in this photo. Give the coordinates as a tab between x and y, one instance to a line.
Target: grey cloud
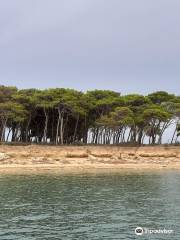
125	45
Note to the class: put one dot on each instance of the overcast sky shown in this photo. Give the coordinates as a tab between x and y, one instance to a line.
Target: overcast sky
123	45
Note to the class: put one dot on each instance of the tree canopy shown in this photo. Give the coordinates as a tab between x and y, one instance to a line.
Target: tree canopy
67	116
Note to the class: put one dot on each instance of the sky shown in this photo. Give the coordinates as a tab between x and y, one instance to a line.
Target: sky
123	45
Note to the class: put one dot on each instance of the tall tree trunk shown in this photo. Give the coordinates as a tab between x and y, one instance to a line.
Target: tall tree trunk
45	126
140	136
3	130
174	133
8	135
57	128
27	128
75	130
61	129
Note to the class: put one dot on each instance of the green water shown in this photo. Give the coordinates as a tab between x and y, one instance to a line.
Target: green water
89	206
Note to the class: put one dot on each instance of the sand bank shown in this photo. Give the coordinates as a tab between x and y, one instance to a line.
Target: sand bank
80	158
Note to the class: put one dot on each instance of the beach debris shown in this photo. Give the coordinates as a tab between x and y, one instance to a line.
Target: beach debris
92	158
77	155
3	156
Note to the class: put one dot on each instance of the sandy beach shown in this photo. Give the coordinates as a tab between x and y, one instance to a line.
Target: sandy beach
73	158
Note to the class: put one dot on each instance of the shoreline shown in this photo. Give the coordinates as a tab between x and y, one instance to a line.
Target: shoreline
53	170
88	158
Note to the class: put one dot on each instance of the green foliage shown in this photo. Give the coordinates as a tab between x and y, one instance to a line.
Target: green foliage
13	111
135	100
123	116
155	113
67	116
160	97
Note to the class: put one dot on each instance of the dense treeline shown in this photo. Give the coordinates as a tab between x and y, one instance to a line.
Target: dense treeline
67	116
